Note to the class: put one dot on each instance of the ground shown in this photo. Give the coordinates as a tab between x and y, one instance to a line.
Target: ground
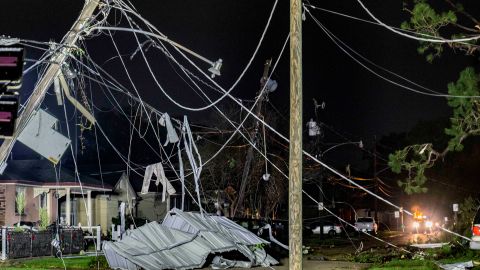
326	253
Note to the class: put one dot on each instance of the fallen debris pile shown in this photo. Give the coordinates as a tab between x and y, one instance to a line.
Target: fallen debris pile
183	241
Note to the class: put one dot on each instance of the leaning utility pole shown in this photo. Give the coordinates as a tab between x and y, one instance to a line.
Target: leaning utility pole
253	135
295	160
56	61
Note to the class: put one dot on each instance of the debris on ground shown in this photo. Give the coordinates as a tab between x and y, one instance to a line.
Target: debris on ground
185	240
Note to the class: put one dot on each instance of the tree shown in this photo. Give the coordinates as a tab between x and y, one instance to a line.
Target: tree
44	220
465	121
221	178
20	203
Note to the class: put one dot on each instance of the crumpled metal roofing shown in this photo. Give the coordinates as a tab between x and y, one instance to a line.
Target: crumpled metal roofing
154	246
218	227
183	241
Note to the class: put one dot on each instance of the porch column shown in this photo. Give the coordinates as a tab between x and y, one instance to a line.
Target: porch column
68	206
49	206
89	208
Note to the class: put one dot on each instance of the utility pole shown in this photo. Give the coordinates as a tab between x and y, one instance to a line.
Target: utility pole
254	136
296	125
375	179
56	61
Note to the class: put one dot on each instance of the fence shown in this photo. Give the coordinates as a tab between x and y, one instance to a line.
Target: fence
24	244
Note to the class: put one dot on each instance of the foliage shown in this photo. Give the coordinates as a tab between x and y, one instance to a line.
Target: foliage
222	177
44	221
465	122
18	229
407	264
468	208
20	200
466	112
428	22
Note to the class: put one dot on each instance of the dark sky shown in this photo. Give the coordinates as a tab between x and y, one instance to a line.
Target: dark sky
357	102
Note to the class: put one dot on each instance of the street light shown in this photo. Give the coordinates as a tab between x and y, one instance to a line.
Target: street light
360	144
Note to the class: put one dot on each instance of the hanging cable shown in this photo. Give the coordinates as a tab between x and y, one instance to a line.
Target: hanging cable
436	40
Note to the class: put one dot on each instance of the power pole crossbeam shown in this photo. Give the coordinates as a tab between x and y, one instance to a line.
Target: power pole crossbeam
43	85
296	126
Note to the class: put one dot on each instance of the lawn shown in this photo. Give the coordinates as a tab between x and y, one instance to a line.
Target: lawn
406	264
56	263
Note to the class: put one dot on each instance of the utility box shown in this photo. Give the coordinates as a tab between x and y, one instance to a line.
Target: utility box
40	136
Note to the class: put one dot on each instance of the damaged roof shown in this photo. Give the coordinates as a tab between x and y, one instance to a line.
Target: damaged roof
183	241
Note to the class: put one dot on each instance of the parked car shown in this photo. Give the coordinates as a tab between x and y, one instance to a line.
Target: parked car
366	224
329	228
475	243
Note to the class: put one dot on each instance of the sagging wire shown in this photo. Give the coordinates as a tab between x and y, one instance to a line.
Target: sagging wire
336	41
371	22
160	36
77	174
433	40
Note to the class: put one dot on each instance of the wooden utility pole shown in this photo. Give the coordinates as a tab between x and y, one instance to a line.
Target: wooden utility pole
253	135
296	126
54	67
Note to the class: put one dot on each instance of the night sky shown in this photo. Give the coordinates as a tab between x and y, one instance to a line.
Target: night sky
358	103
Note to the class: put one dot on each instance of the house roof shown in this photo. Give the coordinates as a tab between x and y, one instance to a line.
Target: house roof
43	173
112	173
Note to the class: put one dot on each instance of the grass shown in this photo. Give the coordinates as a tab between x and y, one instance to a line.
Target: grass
406	264
48	263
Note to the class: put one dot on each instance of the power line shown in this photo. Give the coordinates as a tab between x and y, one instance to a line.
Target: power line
335	39
436	40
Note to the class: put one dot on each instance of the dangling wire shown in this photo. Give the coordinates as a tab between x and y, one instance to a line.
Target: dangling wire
266	175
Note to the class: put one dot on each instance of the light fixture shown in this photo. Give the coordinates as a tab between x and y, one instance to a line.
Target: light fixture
360	144
266	177
215	69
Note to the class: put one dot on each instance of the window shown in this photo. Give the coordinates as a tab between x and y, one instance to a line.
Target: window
42	200
18	191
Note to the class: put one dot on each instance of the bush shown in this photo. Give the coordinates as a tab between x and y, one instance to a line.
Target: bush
43	219
98	263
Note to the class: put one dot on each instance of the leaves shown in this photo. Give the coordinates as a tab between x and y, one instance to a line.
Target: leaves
415	159
427	22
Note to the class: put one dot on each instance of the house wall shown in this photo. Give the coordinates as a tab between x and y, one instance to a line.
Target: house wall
53	206
82	212
106	207
31	206
2	204
151	206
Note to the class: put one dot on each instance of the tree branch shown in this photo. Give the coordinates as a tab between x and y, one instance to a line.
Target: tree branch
466	14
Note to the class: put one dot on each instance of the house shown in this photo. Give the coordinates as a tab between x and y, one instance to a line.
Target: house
145	206
55	189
